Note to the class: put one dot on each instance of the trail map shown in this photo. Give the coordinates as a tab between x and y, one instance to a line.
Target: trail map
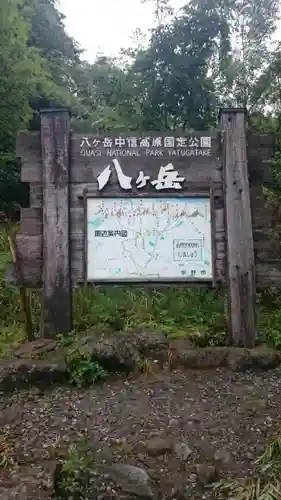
149	239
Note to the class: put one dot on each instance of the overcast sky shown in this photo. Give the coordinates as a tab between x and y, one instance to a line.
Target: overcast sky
107	26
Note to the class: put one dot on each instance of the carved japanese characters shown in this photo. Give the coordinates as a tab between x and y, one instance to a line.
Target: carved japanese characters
168	178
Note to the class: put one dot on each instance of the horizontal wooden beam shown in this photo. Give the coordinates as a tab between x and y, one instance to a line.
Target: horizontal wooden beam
30	252
31	221
88	172
267	246
268	270
260	153
28	150
259	140
268	274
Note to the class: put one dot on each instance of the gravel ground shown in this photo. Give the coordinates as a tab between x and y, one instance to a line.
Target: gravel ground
215	412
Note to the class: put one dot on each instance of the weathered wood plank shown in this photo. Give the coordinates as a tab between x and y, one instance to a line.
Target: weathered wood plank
36	195
28	149
31	221
30	251
220	225
260	153
220	270
204	172
268	274
191	189
220	247
200	165
57	294
267	245
262	212
255	139
240	250
259	169
220	240
77	189
260	148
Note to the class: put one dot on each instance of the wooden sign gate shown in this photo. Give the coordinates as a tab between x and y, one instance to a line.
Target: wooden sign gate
147	208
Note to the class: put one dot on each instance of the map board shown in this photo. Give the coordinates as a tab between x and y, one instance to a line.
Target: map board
149	239
162	207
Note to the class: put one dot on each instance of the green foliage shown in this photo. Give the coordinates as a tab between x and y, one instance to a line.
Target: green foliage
20	67
107	99
177	311
175	89
26	82
11	337
245	53
82	370
11	315
9	298
47	33
73	477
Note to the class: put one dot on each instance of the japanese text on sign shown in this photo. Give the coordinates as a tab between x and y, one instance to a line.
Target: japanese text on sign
146	146
168	178
147	142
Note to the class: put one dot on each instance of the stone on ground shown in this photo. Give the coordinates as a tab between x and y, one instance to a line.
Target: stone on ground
131	479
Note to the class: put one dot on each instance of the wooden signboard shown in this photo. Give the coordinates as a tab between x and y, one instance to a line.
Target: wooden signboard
141	208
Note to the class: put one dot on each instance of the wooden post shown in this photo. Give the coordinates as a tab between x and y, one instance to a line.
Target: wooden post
239	235
56	293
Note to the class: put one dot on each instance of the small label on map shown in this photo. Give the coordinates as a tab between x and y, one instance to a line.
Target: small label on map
189	250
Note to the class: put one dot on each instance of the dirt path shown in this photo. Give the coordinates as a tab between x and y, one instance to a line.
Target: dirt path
215	415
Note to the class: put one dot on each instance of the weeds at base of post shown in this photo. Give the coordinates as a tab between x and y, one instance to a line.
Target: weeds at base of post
23	291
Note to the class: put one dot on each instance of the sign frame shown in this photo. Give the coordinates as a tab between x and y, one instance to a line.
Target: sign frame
211	282
50	244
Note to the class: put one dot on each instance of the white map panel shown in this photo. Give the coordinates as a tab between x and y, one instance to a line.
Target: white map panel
149	239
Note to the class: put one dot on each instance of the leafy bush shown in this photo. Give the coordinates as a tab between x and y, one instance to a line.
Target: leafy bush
177	311
82	370
73	477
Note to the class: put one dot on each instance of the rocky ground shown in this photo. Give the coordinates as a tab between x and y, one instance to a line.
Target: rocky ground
181	431
194	417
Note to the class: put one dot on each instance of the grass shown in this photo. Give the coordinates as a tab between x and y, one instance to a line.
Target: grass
174	310
178	311
11	327
73	478
266	483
